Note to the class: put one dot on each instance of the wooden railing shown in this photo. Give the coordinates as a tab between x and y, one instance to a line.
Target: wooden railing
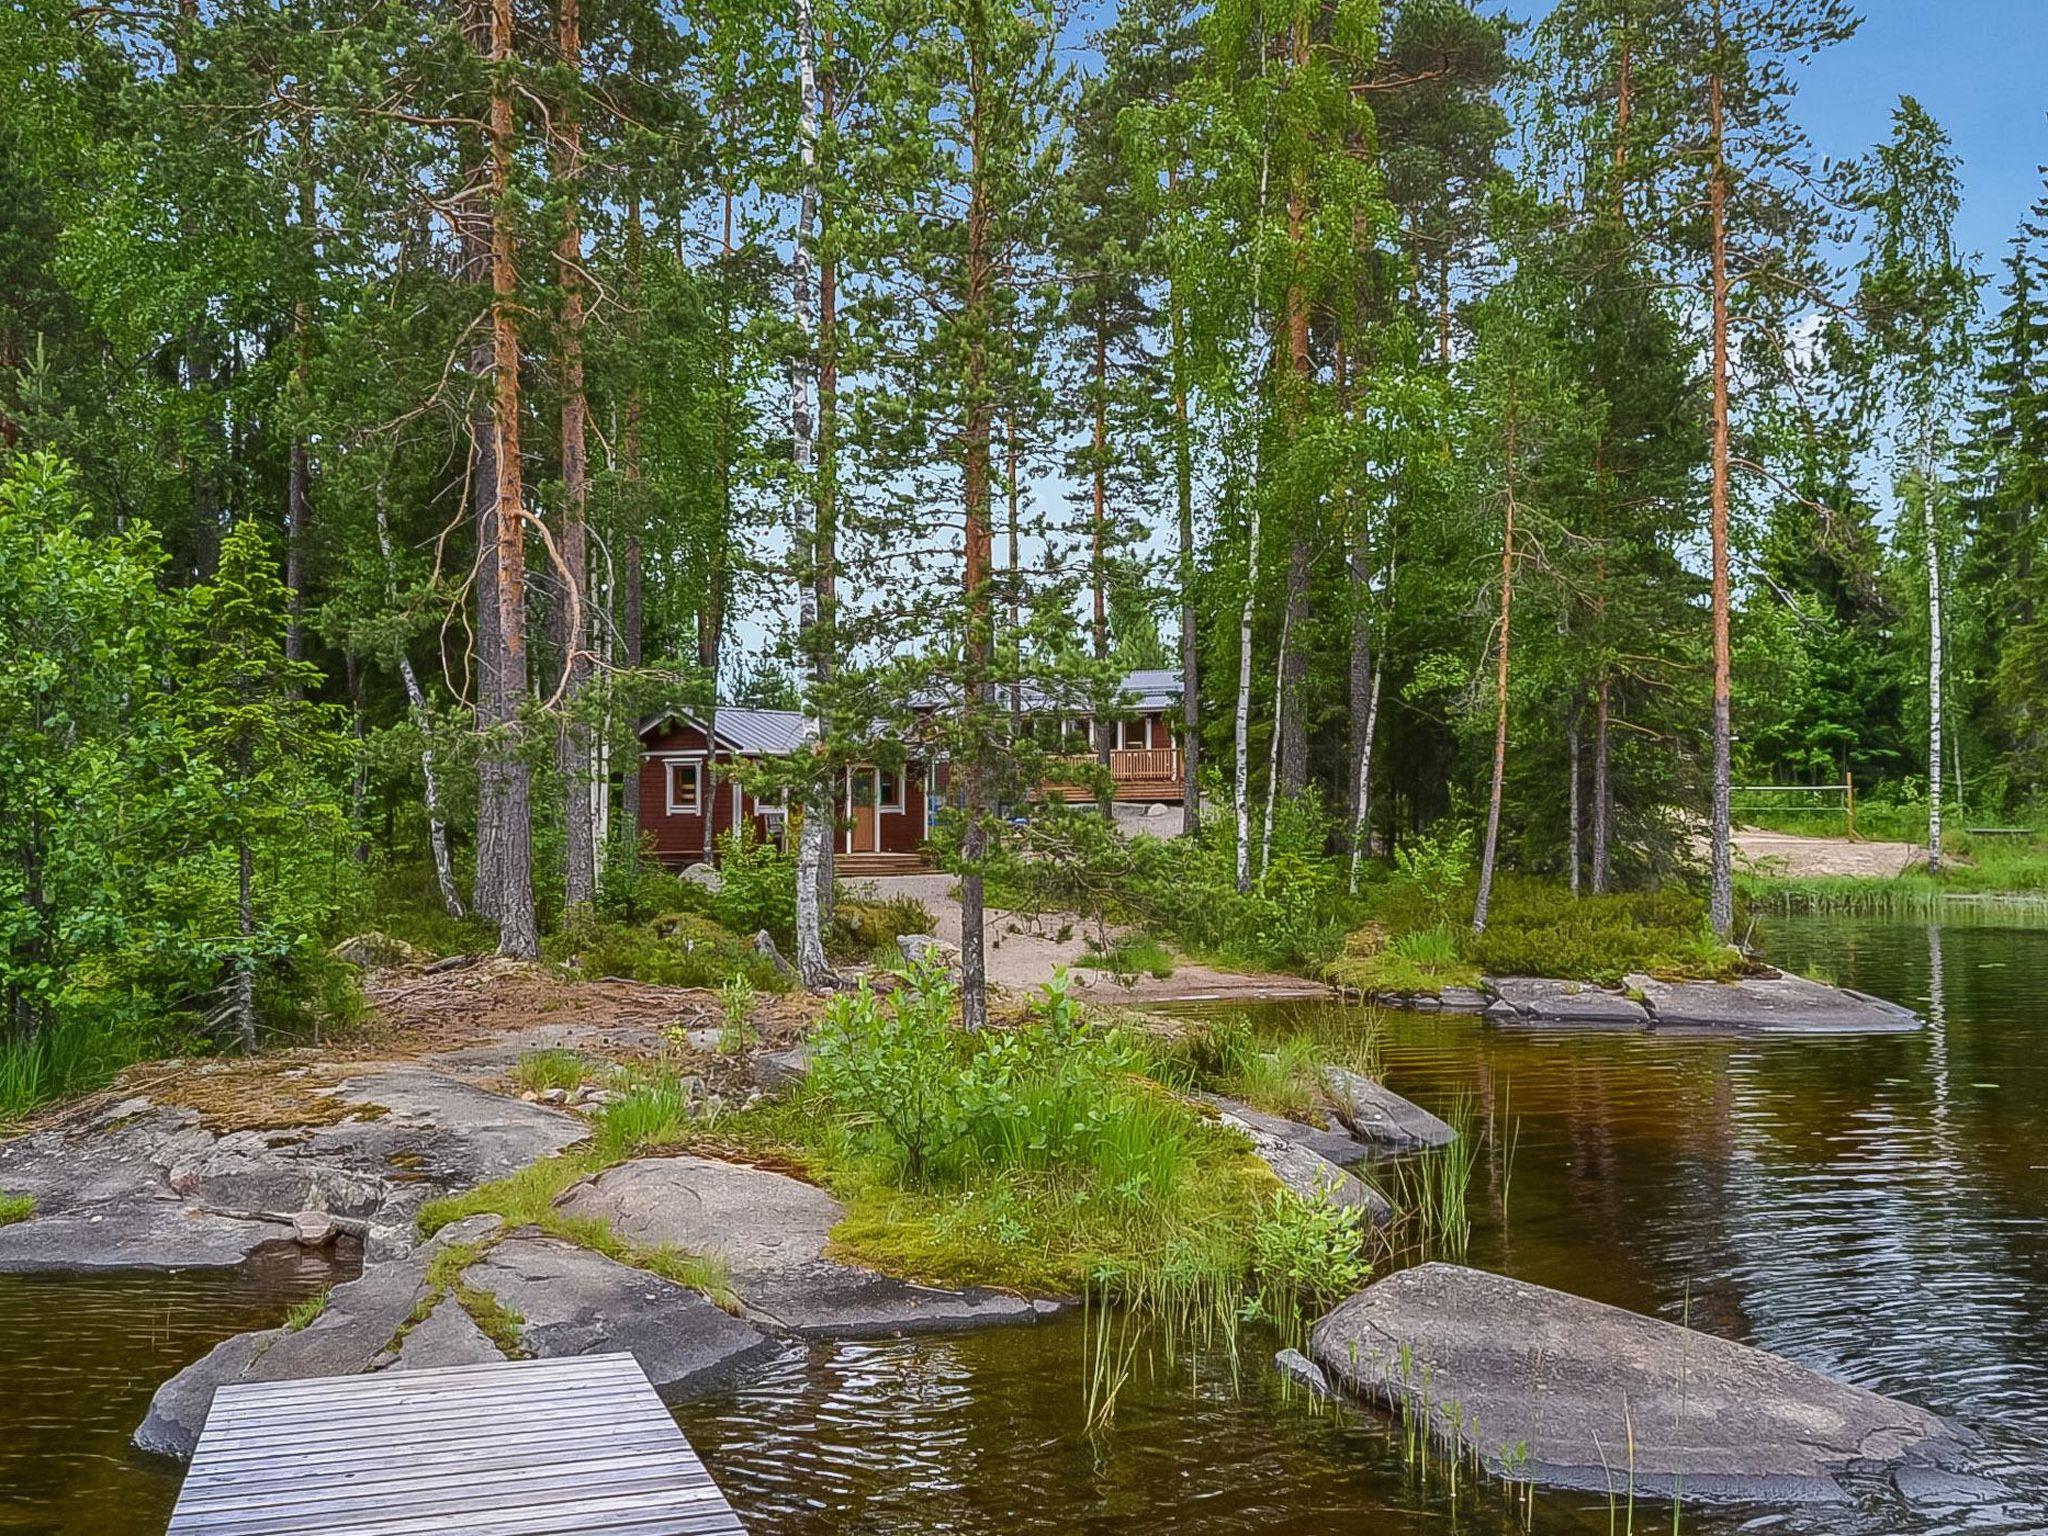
1148	766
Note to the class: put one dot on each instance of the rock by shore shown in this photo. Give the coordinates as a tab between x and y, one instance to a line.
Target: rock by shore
1309	1174
1570	1393
772	1232
1537	1001
148	1184
1375	1114
1769	1005
559	1299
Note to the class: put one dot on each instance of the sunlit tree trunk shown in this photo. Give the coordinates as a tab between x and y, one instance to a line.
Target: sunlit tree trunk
572	737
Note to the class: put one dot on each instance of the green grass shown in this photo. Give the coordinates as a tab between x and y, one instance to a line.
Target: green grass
405	902
15	1208
1975	870
1271	1066
1136	954
538	1071
303	1314
69	1057
676	949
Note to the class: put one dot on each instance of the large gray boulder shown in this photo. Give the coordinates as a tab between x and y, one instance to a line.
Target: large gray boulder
1310	1176
1375	1113
771	1232
1559	1390
1769	1005
1536	1002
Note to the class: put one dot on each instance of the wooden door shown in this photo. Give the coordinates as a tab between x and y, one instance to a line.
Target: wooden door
866	833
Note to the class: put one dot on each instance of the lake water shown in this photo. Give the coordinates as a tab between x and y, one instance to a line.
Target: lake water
1875	1208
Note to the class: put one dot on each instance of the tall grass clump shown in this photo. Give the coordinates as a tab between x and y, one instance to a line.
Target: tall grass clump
68	1057
1435	1189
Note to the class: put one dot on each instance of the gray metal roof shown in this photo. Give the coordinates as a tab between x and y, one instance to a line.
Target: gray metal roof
1146	689
749	732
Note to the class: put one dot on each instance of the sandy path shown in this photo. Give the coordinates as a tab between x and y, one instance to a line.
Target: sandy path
1021	955
1790	854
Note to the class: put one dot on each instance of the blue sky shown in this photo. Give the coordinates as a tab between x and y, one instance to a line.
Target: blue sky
1980	66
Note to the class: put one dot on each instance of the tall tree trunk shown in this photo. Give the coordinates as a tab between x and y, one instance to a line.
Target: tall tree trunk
711	616
423	722
975	307
1098	559
486	883
1291	716
825	554
572	735
1184	507
631	601
1241	746
242	995
1933	679
1721	892
1491	851
1273	754
811	965
518	931
1603	787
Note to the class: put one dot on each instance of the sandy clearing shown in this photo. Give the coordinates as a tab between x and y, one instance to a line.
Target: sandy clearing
1795	856
1022	954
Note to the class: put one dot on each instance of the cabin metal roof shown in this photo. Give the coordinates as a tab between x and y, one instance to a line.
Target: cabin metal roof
749	732
1148	688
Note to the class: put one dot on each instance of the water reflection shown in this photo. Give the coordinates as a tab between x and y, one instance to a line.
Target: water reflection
1874	1208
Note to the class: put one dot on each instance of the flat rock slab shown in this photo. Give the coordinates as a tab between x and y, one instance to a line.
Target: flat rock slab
1311	1177
1535	1002
144	1185
1769	1005
1375	1113
566	1300
1449	1000
571	1301
1555	1389
1338	1145
771	1231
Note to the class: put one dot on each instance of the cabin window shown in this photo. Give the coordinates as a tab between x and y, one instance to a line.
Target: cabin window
685	787
888	790
1130	735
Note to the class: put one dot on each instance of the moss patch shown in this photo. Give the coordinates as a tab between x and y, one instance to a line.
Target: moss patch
261	1095
15	1208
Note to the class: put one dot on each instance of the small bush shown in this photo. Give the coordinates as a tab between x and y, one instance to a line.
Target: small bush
678	949
1306	1257
15	1208
864	929
1134	955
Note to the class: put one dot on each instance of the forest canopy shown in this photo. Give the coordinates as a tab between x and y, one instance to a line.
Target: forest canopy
1518	437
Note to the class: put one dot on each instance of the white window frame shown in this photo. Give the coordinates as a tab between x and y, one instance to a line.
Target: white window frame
696	767
883	807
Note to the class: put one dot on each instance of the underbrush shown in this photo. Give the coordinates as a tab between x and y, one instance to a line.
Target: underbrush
1274	1065
69	1057
677	949
1041	1157
1419	942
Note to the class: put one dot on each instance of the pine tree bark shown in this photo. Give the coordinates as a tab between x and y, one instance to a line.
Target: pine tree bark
1184	507
1098	559
1290	718
631	601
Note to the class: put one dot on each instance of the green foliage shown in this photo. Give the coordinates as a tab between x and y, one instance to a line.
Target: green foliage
867	929
304	1313
1306	1257
680	949
71	1056
15	1208
653	1112
539	1071
756	888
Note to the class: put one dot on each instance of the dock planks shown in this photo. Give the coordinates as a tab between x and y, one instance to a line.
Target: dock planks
581	1446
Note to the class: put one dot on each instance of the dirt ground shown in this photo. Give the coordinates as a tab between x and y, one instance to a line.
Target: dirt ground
1789	854
1022	954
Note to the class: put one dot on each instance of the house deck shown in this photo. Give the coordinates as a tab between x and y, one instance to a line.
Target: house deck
519	1448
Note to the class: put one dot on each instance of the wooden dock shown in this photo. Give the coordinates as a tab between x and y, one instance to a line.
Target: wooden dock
517	1448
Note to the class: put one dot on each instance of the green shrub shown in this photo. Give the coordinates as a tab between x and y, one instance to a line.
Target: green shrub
15	1208
893	1061
866	929
1540	929
678	949
756	887
1306	1257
